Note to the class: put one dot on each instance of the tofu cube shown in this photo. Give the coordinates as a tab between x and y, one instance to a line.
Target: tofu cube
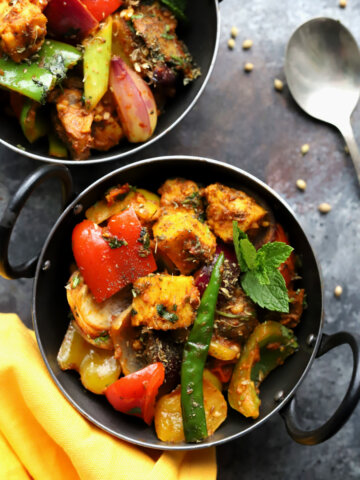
225	205
182	194
164	302
184	239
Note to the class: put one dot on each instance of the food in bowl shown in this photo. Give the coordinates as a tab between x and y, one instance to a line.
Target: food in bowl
89	74
178	300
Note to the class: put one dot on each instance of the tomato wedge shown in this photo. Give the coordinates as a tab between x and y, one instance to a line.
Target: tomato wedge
102	8
110	258
135	394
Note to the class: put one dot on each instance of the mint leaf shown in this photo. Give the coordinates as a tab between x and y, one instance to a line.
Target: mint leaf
244	249
273	296
248	252
272	255
262	276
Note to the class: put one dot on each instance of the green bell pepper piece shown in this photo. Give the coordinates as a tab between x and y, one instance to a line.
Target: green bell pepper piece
33	122
266	348
97	55
36	78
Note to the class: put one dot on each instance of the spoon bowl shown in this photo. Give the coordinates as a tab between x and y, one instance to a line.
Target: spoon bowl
322	68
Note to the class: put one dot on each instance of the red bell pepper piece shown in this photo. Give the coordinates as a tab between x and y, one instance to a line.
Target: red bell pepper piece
287	269
110	258
69	19
135	394
102	8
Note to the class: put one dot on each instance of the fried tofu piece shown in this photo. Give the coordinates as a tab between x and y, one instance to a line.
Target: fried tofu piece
106	128
156	25
225	205
179	193
22	28
165	302
146	205
94	319
73	123
184	240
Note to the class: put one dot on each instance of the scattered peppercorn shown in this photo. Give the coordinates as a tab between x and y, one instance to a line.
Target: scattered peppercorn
324	207
301	184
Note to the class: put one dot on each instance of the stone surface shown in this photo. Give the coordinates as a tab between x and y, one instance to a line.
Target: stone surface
242	120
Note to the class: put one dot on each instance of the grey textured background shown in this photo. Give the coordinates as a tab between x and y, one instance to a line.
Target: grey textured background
241	120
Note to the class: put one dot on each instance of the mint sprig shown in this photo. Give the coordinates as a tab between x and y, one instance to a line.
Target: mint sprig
261	279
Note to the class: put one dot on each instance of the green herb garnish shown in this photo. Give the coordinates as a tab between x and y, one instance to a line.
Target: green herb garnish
75	281
114	242
166	33
102	338
162	312
261	279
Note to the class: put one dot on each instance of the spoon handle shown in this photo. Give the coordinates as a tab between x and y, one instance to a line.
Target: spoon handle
348	134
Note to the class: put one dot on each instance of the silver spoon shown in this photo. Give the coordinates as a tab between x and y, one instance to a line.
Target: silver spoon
322	68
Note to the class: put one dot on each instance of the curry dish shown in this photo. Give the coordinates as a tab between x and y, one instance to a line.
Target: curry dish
90	74
181	304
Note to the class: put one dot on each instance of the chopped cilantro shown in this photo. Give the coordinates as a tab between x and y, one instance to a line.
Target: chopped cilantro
75	281
162	312
102	338
166	33
134	411
114	242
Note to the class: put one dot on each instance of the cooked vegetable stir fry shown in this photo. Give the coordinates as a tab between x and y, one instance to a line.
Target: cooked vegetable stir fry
94	72
177	299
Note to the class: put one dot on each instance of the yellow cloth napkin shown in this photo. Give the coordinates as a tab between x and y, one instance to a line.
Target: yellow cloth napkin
43	437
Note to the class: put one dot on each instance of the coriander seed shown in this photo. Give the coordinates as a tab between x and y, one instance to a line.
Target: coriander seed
248	67
247	44
234	32
324	207
301	184
231	43
278	84
305	148
342	3
338	290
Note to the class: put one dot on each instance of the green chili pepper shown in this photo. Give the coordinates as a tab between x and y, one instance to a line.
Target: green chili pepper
194	357
36	78
267	347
